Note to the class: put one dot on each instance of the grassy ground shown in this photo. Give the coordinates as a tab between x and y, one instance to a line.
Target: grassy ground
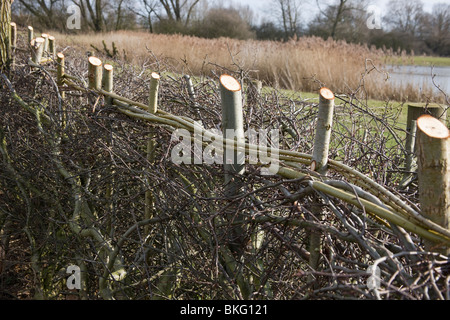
420	61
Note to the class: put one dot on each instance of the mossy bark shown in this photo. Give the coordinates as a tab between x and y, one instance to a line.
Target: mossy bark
5	35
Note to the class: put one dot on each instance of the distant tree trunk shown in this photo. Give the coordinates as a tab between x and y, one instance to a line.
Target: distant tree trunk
95	18
5	35
339	13
175	9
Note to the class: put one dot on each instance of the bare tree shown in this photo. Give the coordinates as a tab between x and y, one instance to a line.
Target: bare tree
92	12
289	14
150	11
343	19
120	14
405	16
48	13
179	10
436	29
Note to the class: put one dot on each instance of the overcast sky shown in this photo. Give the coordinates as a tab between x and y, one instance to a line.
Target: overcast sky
262	8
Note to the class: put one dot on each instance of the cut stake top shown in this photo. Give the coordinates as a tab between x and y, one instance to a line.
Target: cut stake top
326	93
230	83
108	67
432	127
95	61
37	41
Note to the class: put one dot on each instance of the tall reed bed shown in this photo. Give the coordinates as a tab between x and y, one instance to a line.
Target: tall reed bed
303	64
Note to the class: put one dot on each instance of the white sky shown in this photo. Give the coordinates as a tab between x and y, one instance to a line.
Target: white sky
262	8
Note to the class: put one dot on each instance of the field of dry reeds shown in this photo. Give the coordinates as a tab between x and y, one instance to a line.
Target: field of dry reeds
303	64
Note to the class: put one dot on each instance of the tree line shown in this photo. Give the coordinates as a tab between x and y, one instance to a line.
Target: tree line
404	25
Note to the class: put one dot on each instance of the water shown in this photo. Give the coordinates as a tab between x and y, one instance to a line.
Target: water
421	77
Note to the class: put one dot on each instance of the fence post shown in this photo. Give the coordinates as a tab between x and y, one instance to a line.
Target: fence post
153	97
108	82
30	34
254	92
52	46
323	130
233	160
190	87
415	110
95	73
13	43
433	157
192	96
45	36
60	72
37	49
233	129
319	164
151	144
410	166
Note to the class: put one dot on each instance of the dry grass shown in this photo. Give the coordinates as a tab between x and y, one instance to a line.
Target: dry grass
304	64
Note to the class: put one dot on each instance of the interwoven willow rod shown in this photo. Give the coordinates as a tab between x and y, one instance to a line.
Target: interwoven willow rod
398	212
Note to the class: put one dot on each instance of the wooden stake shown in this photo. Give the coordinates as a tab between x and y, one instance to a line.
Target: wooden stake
190	87
254	92
433	148
192	96
37	49
234	160
410	146
151	145
13	43
61	67
233	128
52	46
60	72
319	164
108	81
95	73
415	110
30	34
153	97
323	131
45	36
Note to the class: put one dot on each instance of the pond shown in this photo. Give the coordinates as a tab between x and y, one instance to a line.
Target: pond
421	76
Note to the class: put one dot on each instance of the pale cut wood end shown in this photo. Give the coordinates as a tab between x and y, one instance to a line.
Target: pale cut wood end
313	165
230	83
155	76
108	67
60	55
37	42
326	93
95	61
432	127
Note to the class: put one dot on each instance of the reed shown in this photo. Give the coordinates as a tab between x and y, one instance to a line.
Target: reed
304	64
